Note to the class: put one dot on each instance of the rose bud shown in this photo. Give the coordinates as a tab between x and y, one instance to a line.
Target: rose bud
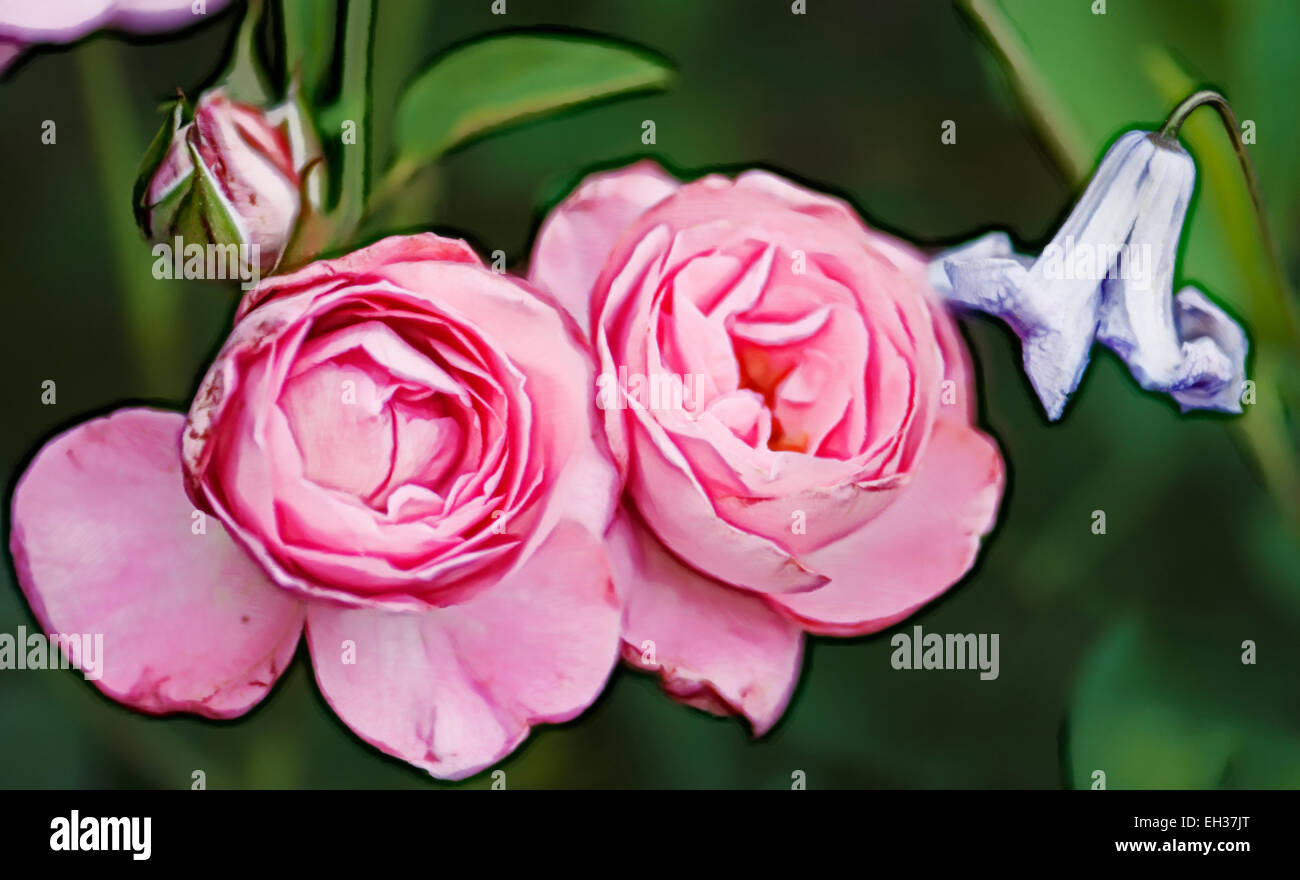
249	186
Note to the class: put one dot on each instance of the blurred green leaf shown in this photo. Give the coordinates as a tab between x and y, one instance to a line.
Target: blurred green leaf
495	82
1155	709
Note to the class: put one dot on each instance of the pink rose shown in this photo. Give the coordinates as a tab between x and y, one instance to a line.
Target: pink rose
401	445
233	176
26	22
820	472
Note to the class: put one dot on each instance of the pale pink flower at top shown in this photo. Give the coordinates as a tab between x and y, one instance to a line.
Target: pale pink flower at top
395	448
822	473
31	22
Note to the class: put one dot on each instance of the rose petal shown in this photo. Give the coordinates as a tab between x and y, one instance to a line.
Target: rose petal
714	647
454	690
359	264
67	20
559	375
103	543
679	510
580	232
916	549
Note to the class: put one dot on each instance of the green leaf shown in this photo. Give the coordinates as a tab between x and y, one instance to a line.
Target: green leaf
486	85
1155	708
1128	724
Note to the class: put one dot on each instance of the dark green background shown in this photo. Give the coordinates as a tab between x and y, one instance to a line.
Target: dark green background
1118	652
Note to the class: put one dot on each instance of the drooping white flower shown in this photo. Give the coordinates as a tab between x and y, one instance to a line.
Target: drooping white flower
1107	276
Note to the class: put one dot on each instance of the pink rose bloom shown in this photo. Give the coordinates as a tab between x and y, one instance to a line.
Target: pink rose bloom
821	473
395	448
28	22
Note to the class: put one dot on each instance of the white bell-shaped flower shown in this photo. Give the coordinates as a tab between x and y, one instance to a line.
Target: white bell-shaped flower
1107	276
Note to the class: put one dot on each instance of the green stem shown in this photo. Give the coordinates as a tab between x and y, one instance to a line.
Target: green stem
391	185
244	79
1054	124
354	105
1170	130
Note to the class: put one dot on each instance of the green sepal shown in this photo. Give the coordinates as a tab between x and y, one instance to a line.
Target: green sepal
149	163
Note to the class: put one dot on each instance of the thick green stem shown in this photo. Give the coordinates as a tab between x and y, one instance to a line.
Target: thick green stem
1054	124
354	106
392	184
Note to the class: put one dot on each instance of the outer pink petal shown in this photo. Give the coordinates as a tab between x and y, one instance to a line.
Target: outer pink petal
103	543
151	16
918	547
360	266
58	22
9	50
62	21
580	232
715	647
454	690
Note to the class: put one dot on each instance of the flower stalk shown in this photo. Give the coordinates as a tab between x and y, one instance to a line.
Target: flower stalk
1170	130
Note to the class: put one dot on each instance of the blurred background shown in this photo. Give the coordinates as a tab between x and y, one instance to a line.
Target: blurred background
1119	652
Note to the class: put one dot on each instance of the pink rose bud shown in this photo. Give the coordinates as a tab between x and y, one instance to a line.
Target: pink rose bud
234	175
